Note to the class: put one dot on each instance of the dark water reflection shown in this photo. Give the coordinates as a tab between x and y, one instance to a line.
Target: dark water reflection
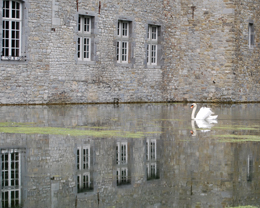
148	155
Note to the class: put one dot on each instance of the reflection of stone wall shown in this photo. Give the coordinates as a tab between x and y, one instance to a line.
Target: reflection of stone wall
203	53
193	171
201	172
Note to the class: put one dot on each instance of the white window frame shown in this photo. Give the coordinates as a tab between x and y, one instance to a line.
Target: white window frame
80	158
151	157
251	39
84	38
7	53
121	156
120	175
149	169
152	45
122	45
149	147
83	166
9	189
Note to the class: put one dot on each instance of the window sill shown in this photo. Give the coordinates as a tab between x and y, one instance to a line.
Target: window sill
86	62
154	67
13	61
124	64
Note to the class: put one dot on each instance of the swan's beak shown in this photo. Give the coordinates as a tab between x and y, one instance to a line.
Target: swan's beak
191	132
191	106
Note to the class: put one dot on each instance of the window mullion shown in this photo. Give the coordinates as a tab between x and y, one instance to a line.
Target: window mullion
10	39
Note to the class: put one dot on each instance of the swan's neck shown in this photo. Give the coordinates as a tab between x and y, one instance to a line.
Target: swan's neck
193	111
193	128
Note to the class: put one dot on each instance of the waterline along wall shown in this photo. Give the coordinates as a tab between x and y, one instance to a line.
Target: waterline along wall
63	51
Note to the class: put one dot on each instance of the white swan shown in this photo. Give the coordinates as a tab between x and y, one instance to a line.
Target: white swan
204	125
204	113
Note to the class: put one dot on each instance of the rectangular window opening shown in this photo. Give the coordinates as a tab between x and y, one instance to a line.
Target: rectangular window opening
85	36
152	45
122	46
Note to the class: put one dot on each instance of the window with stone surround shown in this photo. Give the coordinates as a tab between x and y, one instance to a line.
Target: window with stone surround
123	43
251	35
12	31
85	38
153	46
11	187
84	179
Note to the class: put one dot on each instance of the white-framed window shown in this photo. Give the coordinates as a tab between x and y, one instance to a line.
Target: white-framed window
122	45
11	177
83	182
152	44
151	159
12	30
83	169
251	35
83	158
84	38
122	169
122	176
121	153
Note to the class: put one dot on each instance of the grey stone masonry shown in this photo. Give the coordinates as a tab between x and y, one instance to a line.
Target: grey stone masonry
203	51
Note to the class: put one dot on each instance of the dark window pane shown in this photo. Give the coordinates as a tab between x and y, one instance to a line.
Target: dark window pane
13	13
7	13
7	25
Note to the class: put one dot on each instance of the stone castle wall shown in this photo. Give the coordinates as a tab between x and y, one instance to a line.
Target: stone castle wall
203	53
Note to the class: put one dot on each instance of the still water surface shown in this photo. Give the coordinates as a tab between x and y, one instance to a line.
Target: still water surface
141	155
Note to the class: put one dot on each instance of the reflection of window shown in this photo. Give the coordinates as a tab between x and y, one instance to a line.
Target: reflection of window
151	159
121	153
122	173
249	168
251	35
11	177
83	169
12	30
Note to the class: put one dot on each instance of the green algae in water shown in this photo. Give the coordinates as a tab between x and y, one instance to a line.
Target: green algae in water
243	207
16	124
238	138
70	132
254	128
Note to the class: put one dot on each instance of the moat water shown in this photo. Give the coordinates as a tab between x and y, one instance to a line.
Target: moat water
138	155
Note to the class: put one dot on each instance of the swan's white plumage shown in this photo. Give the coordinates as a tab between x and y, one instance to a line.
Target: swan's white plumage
204	113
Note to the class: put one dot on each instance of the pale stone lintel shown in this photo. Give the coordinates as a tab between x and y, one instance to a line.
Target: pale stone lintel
228	11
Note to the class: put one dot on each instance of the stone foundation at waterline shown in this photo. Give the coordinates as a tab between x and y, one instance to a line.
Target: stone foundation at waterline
202	51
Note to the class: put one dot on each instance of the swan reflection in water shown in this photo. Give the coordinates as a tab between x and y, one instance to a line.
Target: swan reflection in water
204	119
203	125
